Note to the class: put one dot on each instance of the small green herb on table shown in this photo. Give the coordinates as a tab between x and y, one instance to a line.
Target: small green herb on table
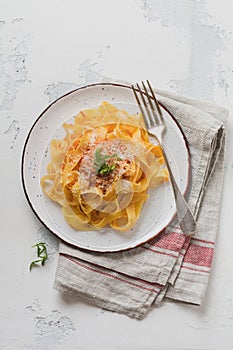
41	254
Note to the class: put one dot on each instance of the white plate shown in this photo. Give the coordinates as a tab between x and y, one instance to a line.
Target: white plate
159	208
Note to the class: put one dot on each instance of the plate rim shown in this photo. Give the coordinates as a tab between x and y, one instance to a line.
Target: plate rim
23	181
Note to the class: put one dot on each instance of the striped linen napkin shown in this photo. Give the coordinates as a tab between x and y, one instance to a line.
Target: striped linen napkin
172	265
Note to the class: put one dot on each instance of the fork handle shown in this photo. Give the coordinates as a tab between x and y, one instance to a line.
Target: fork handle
185	217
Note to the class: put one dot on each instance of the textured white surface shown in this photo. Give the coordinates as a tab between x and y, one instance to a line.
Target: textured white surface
51	47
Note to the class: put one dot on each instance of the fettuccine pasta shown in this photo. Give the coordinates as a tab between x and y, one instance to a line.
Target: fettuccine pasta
101	171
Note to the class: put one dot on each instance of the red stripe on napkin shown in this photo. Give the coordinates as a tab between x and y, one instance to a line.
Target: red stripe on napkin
161	252
199	256
202	241
152	287
170	240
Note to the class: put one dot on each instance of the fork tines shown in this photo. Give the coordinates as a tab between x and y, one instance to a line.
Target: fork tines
148	104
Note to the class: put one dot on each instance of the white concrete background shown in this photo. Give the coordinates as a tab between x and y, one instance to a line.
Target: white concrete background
50	47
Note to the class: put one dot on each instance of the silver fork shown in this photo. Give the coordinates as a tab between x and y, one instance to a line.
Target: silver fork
155	124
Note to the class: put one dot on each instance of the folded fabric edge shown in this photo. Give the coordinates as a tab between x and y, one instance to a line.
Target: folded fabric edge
203	105
191	292
127	296
218	144
192	280
98	302
166	255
